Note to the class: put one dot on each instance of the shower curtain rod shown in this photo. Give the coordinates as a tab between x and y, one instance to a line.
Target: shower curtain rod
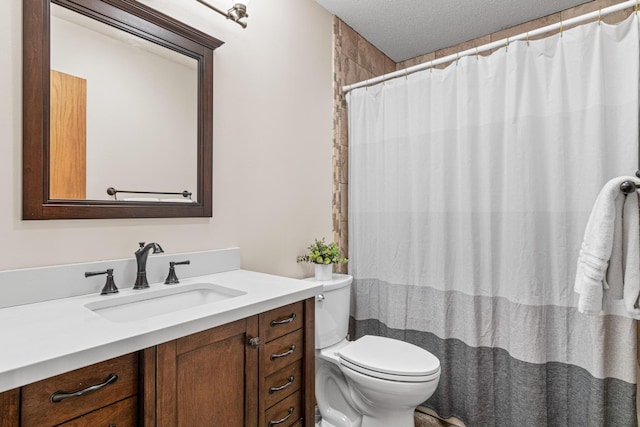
500	43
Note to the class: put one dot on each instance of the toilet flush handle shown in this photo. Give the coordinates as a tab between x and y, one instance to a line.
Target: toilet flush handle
320	297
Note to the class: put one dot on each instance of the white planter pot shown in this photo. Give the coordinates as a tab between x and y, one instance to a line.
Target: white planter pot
324	271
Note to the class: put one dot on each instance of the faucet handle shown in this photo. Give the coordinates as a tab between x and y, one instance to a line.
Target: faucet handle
172	279
110	285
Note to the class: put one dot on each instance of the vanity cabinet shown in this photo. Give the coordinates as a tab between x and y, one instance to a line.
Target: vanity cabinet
257	371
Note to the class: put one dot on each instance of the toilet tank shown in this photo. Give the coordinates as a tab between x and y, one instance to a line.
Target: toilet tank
332	310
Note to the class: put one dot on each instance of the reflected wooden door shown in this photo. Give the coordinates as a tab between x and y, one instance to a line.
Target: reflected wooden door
68	144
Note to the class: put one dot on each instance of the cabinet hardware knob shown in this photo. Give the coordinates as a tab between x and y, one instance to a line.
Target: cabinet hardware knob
60	395
283	386
281	420
254	342
286	353
282	322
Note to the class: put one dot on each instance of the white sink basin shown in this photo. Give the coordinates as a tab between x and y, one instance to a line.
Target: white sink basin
148	303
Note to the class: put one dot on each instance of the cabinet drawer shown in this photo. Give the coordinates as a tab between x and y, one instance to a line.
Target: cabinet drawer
121	414
282	352
39	410
281	321
286	413
282	383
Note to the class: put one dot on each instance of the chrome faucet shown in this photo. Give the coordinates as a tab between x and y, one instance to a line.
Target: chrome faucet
141	258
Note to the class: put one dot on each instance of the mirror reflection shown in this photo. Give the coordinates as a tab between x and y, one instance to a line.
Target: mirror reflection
123	114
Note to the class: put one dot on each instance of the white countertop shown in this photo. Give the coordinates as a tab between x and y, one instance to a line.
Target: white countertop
44	339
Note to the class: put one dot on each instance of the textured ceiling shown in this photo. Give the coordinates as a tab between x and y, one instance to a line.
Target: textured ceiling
404	29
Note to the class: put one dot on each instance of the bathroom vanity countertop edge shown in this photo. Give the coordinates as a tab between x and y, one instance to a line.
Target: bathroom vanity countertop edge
44	339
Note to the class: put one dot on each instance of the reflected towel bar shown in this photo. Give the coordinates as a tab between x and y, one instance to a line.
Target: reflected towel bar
113	192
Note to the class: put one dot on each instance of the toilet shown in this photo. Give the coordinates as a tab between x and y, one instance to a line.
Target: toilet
371	382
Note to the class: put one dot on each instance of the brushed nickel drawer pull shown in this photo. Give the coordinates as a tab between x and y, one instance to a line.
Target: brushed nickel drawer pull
282	387
286	353
60	395
281	420
282	322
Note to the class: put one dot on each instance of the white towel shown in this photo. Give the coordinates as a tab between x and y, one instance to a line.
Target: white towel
177	200
611	247
141	199
631	255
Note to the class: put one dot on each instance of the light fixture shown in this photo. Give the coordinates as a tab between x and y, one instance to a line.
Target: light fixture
237	12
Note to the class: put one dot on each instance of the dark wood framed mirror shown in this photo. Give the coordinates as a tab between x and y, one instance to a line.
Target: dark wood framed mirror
151	31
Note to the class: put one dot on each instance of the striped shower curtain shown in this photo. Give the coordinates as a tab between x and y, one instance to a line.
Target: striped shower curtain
470	189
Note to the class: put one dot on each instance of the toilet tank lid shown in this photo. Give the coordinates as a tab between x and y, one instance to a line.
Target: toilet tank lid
337	281
390	356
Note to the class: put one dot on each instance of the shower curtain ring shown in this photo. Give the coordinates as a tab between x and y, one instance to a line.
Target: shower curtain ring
431	67
506	45
457	57
561	28
477	54
600	15
637	7
527	38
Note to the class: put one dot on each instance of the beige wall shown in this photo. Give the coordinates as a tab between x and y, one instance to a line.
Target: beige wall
272	147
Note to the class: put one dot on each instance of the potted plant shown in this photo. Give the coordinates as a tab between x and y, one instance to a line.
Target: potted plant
323	256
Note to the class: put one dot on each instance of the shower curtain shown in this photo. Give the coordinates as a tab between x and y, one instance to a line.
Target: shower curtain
470	189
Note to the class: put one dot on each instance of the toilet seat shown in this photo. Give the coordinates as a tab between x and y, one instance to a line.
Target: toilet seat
389	359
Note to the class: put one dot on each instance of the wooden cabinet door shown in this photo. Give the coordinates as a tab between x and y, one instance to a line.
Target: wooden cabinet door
10	408
209	378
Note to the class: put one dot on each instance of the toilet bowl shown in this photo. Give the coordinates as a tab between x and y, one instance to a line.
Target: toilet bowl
371	382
